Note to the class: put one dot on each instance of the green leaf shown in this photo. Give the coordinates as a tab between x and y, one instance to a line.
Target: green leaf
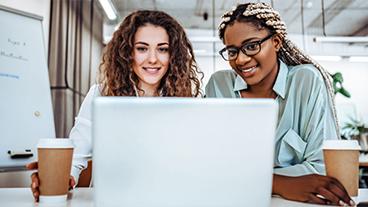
344	92
337	77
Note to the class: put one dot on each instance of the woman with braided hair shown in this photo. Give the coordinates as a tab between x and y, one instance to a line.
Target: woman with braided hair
266	64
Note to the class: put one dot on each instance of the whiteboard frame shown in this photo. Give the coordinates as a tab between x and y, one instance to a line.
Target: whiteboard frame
23	13
38	18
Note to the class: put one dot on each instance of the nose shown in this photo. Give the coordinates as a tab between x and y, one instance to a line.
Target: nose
242	58
152	56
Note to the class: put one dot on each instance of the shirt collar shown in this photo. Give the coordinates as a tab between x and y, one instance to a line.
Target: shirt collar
239	83
279	87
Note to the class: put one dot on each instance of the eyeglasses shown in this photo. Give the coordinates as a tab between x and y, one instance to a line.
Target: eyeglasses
249	48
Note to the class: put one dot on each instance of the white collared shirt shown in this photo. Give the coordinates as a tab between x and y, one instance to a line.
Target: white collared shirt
81	133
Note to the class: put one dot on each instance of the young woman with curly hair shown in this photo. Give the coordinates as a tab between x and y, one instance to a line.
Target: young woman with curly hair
266	64
149	55
120	69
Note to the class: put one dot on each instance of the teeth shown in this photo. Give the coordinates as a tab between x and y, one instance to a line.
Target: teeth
151	69
249	69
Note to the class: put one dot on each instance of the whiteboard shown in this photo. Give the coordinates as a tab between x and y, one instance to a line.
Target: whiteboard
25	99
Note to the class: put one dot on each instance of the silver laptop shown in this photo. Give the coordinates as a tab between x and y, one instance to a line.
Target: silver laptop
187	152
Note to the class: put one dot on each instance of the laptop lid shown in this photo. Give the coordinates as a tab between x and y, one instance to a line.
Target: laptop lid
183	151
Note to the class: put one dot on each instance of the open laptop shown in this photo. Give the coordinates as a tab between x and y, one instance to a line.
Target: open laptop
156	152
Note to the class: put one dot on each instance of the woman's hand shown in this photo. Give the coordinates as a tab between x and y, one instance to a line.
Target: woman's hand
36	182
312	188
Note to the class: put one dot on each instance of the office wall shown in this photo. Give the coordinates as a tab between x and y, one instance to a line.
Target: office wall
74	57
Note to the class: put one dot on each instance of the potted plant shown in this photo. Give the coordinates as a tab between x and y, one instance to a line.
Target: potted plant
356	129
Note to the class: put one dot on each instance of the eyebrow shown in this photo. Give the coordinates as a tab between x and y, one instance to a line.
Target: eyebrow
250	40
164	43
144	43
244	41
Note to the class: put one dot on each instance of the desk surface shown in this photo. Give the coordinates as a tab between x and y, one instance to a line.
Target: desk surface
22	197
363	160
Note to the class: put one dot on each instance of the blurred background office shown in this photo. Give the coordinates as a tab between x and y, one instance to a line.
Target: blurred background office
333	32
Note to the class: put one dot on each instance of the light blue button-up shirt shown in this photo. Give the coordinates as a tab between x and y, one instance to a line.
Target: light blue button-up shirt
305	115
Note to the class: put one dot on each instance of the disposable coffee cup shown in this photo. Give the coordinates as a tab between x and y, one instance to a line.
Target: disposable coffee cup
54	166
342	162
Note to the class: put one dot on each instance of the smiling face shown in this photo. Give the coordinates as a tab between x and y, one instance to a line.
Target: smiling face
150	56
260	69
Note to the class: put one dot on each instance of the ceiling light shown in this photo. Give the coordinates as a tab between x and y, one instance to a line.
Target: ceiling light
327	58
358	59
109	9
342	39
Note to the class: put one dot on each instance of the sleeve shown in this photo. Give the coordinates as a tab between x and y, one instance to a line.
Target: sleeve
81	134
221	85
316	123
210	89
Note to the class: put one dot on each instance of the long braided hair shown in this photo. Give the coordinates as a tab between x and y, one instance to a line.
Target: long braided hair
262	15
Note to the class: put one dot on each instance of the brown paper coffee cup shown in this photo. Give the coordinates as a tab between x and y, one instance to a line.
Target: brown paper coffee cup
342	162
54	166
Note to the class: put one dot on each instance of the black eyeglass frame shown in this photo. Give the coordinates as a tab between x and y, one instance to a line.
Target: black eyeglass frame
242	48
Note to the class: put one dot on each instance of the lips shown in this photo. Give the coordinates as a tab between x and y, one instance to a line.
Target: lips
151	70
248	71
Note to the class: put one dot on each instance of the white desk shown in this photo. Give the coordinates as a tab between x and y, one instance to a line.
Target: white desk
82	197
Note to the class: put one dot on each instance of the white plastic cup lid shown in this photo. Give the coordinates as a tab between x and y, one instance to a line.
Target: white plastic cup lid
341	145
55	143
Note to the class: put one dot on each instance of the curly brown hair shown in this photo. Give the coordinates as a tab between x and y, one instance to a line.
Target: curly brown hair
116	75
